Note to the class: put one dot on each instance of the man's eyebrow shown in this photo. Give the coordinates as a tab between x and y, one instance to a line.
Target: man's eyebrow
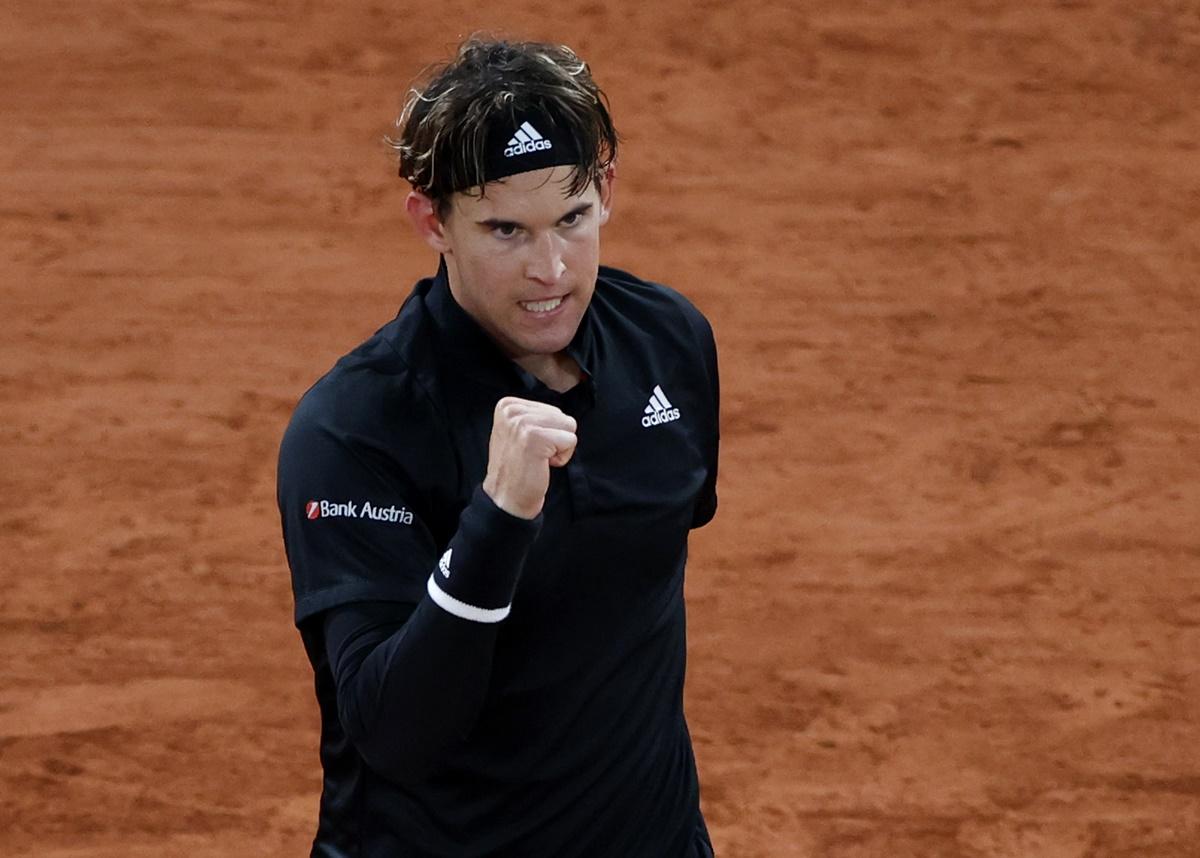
582	208
496	222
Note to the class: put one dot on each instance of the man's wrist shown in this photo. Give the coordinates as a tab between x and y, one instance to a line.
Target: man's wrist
479	571
507	504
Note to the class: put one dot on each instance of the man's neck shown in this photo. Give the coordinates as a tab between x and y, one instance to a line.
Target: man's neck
559	372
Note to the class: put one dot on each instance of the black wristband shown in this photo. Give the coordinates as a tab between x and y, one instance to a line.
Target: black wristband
477	576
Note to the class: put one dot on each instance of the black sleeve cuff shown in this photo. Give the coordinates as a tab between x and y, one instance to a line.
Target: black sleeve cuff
480	569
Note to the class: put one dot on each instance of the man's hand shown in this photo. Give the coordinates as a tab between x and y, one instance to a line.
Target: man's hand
527	438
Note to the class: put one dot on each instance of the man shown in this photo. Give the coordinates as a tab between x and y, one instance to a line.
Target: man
486	505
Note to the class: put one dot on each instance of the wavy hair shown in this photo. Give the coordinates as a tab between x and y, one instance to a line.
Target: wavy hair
443	128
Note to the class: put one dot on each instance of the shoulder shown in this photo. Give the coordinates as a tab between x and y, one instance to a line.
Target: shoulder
653	306
646	294
377	398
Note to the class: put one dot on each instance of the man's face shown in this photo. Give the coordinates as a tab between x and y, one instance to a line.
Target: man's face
523	259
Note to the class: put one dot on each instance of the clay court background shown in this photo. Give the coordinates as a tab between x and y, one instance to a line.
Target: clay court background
951	603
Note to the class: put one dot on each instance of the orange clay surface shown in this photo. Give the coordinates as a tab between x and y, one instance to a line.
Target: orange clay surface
951	603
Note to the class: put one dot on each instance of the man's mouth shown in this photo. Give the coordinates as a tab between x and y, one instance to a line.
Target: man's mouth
542	306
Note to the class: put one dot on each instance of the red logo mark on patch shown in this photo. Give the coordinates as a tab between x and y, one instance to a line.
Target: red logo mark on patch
313	509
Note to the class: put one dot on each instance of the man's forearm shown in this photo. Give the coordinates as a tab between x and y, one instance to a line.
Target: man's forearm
409	686
407	689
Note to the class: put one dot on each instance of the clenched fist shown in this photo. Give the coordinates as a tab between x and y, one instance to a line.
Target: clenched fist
527	439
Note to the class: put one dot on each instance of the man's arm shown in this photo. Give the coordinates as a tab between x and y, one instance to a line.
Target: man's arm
408	687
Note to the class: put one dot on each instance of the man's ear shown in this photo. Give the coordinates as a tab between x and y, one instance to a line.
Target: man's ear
606	192
422	211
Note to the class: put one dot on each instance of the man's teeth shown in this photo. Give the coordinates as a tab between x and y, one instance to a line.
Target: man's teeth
541	306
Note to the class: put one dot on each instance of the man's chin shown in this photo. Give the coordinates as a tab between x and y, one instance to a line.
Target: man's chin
550	341
544	346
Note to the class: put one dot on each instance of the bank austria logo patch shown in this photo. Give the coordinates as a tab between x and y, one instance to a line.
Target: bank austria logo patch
660	410
315	509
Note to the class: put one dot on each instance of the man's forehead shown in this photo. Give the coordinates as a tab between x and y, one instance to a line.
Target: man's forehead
548	190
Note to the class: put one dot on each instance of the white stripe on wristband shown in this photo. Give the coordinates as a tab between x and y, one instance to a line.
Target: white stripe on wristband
461	609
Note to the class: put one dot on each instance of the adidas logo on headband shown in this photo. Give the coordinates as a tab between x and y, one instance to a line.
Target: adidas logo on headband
527	139
552	146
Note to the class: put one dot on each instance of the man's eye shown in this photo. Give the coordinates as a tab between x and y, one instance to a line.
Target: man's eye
505	230
572	219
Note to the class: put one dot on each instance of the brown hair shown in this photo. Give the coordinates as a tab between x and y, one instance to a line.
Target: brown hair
444	126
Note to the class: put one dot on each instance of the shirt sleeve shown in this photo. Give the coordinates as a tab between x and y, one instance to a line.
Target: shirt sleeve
351	525
355	529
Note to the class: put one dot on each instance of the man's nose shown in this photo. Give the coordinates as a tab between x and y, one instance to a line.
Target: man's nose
546	262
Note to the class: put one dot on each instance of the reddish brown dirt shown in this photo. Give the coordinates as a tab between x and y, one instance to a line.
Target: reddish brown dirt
951	604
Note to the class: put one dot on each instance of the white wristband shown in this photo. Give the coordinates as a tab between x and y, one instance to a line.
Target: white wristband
461	609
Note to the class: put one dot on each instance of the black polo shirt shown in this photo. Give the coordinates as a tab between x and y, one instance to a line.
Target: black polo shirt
561	641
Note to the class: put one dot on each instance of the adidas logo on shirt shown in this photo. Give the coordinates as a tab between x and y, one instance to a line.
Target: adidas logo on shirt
527	139
660	410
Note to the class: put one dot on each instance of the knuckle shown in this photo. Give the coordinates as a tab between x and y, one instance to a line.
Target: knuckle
526	430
